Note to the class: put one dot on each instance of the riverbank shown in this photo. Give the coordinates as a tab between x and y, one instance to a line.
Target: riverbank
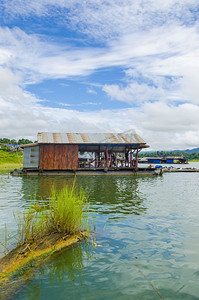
9	166
194	160
10	160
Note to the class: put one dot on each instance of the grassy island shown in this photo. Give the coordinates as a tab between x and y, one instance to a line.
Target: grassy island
45	228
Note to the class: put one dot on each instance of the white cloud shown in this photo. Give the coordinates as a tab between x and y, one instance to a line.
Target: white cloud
160	117
162	65
134	92
155	42
91	91
105	19
91	103
191	138
64	104
167	127
162	126
157	56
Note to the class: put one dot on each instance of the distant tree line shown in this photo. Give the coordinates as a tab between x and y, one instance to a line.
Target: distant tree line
15	142
170	153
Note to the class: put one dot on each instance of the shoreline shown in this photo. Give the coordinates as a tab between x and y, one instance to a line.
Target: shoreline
10	166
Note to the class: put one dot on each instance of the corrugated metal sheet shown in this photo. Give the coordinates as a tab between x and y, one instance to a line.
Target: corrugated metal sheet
31	157
174	157
154	157
28	145
89	138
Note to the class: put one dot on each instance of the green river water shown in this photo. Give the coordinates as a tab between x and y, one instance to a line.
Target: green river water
148	229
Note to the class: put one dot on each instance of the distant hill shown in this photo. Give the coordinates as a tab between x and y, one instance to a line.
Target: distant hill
195	150
190	154
190	151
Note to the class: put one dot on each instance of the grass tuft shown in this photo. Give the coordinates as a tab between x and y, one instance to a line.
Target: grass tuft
65	213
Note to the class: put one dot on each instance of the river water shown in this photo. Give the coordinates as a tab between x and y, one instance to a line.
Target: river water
147	230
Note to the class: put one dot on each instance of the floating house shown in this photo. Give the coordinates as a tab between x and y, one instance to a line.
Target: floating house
176	160
83	151
155	160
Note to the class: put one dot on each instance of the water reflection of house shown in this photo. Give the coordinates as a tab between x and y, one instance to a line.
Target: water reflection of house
79	151
120	194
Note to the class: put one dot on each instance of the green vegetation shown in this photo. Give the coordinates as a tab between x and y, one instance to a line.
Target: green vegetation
65	214
15	142
43	231
194	160
189	156
10	160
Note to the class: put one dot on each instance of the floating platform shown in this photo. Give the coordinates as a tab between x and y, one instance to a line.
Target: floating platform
177	170
86	171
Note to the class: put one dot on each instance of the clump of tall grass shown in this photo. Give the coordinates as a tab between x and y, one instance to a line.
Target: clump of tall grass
65	213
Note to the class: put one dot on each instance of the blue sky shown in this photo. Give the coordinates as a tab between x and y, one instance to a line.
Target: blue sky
101	66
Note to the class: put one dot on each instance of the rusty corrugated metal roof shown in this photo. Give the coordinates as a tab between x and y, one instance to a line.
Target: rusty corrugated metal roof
154	157
89	138
29	145
175	157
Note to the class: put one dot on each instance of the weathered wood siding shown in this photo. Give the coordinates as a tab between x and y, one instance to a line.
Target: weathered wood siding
58	157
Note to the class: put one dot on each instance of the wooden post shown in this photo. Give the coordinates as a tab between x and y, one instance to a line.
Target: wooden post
110	159
131	158
107	157
136	159
133	162
96	159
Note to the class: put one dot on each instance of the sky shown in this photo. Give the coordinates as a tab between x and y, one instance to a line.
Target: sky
101	66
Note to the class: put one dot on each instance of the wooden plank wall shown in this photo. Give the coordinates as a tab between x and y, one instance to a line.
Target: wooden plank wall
58	157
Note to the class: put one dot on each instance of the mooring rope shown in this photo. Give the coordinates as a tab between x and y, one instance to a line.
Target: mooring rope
149	281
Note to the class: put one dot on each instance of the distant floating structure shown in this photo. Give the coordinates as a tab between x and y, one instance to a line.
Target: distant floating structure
164	160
